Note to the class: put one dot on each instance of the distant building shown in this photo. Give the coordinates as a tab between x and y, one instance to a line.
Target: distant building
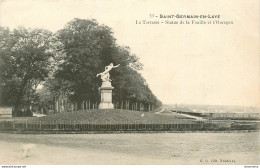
6	112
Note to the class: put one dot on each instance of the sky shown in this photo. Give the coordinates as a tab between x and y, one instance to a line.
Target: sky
185	63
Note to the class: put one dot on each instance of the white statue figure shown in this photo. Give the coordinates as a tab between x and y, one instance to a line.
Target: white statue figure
105	76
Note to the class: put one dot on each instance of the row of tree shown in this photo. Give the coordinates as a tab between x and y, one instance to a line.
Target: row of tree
66	63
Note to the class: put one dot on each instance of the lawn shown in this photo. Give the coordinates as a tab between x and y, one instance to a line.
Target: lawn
111	116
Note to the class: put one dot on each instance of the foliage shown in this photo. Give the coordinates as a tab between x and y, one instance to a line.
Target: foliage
87	48
25	56
66	63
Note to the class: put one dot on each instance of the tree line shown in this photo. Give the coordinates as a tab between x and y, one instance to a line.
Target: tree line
65	63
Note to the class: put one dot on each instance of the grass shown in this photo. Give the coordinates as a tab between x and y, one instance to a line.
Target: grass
111	116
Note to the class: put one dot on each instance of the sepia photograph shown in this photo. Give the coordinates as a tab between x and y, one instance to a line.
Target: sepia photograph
130	82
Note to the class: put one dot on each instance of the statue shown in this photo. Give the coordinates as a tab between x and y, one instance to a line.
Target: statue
105	76
106	89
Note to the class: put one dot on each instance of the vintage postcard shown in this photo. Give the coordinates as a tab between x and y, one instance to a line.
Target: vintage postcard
131	82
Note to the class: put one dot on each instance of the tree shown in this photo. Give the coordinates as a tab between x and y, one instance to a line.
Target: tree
25	56
86	48
132	86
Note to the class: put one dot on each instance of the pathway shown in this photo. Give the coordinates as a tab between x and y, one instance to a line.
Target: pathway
158	112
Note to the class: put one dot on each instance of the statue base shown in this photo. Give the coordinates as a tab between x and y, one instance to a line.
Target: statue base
106	96
106	106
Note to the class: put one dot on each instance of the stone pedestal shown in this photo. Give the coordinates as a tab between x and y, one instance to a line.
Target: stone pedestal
106	96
